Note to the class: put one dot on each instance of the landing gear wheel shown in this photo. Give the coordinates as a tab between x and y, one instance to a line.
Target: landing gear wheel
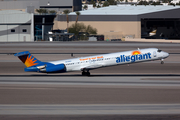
88	74
85	73
162	62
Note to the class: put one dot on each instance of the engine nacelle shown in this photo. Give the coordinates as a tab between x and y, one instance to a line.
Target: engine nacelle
54	68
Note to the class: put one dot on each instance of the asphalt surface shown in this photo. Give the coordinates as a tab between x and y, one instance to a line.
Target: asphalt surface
143	90
84	47
13	68
91	117
89	90
84	109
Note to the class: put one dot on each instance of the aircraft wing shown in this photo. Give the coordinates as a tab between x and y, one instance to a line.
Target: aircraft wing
90	67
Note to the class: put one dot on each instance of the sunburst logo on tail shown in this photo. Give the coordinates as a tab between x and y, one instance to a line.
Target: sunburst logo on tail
136	52
30	61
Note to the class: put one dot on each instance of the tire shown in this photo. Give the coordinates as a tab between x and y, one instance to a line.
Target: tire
88	74
83	73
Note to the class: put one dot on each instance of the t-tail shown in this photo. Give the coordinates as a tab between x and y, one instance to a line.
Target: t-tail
27	58
34	65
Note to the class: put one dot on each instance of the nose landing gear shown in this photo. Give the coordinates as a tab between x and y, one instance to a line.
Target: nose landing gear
162	62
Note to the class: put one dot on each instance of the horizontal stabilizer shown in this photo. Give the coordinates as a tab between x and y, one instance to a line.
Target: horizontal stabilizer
22	53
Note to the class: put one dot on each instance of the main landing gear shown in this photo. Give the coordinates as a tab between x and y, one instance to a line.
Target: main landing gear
162	62
86	73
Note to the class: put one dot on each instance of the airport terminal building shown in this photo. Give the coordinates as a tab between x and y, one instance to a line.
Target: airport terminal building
129	21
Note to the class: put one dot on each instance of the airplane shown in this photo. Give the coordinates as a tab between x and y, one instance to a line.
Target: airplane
152	33
85	64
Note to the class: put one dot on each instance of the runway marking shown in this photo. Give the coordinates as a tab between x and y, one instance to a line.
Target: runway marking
7	88
92	109
160	79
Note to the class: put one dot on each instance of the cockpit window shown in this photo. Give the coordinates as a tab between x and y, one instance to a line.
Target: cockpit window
159	50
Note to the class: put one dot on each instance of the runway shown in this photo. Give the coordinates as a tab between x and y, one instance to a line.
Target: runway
83	109
80	98
150	68
134	91
89	90
93	80
84	47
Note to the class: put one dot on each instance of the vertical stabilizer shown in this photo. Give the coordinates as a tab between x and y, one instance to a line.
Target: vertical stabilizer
27	58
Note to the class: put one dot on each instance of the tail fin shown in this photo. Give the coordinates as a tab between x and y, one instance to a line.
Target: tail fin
27	58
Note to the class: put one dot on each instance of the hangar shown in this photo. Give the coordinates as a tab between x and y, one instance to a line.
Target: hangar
17	26
129	21
58	5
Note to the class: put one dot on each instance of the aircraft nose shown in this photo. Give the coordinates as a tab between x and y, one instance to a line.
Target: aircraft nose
165	54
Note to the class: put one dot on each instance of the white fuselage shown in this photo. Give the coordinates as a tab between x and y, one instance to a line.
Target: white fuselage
97	61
